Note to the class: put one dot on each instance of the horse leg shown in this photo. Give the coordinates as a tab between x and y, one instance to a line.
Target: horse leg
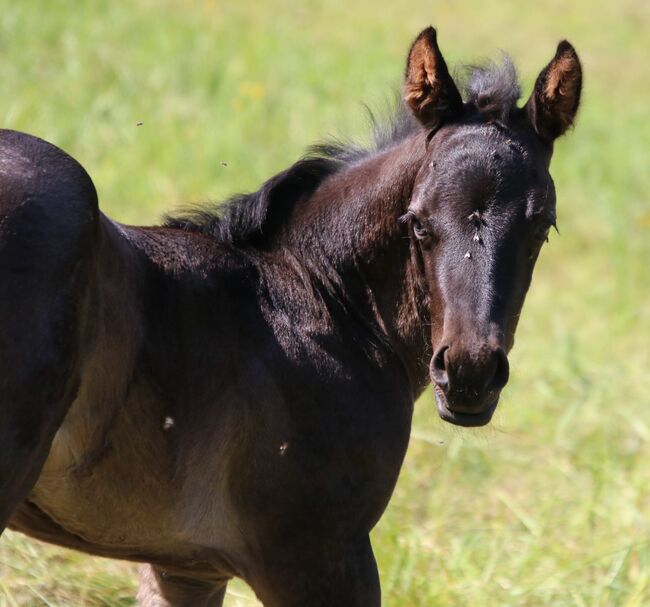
48	218
161	589
342	577
36	389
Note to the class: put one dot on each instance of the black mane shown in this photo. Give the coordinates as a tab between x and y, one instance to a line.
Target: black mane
250	219
494	88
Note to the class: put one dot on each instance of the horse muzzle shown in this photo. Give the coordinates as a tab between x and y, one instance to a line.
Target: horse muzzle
467	384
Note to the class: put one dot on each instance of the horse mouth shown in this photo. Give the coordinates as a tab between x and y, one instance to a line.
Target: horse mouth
467	420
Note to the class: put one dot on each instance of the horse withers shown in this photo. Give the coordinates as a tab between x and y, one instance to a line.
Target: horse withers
230	394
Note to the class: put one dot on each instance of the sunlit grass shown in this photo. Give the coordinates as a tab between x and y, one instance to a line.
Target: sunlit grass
550	505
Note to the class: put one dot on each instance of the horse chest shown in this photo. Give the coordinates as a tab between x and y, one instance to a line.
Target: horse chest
330	463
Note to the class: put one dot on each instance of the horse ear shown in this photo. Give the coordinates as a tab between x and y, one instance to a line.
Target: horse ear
429	90
553	105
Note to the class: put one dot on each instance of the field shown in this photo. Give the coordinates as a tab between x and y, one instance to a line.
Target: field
550	504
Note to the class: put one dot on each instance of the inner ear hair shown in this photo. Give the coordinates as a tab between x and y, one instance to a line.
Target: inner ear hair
429	90
553	106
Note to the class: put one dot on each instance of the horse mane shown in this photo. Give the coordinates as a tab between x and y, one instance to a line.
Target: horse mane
251	219
493	88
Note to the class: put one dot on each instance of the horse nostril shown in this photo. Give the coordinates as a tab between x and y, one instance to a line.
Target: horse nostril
501	371
439	368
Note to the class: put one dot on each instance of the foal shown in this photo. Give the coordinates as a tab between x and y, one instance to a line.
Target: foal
231	394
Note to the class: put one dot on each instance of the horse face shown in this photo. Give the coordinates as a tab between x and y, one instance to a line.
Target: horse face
481	208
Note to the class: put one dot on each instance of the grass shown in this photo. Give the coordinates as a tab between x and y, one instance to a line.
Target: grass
548	506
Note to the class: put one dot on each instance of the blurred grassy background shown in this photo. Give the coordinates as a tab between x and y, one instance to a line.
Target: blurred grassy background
550	505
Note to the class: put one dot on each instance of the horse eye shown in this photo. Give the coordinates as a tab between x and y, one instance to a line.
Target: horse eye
418	229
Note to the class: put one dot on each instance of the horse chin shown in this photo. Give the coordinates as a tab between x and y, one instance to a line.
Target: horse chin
462	419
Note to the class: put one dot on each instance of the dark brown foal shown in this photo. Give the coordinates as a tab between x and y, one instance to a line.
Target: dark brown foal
231	394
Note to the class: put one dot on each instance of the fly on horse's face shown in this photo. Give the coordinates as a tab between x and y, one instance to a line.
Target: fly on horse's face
482	206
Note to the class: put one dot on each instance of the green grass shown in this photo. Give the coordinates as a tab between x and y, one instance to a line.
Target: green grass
550	505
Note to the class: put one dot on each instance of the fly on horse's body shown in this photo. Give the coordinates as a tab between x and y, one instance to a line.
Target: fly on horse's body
231	394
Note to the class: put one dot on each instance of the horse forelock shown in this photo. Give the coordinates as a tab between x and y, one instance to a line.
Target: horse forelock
493	88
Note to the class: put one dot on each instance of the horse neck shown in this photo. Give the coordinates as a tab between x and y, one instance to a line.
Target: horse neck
350	231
